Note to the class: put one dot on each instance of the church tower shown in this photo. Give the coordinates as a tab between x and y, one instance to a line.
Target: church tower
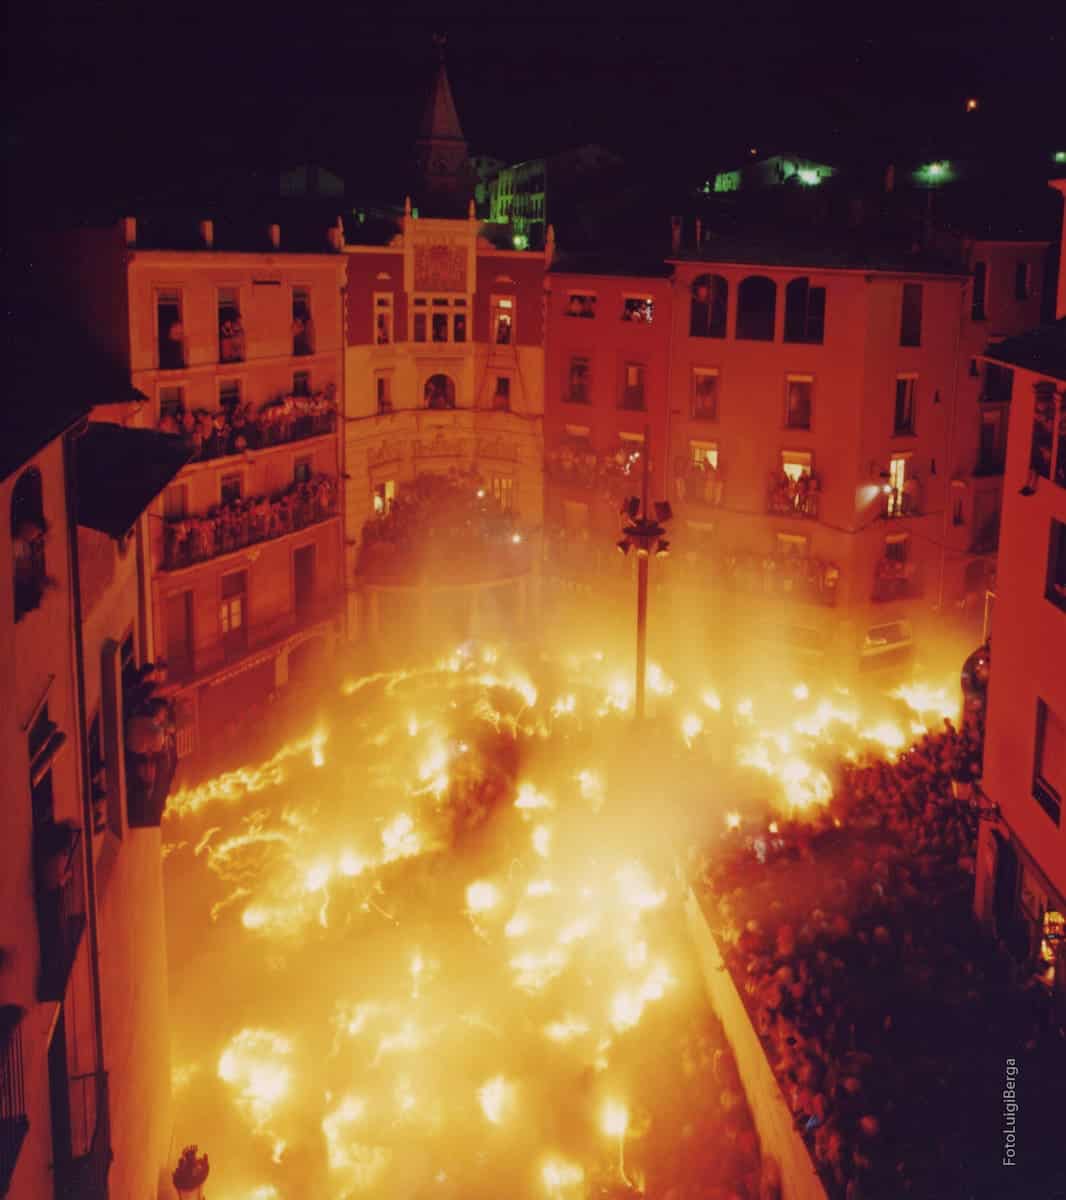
443	184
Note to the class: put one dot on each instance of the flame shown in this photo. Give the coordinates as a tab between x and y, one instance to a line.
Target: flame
713	701
542	838
924	699
691	727
255	1064
529	798
569	1027
615	1119
482	896
558	1174
496	1097
801	691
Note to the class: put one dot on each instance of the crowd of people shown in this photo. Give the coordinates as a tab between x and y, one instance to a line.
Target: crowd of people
701	482
236	427
849	937
794	495
247	520
446	523
151	751
789	573
575	462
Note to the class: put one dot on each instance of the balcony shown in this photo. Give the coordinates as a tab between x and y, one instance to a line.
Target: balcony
797	576
700	485
895	579
235	431
899	502
303	337
84	1175
231	341
246	522
794	497
60	905
151	759
13	1120
574	463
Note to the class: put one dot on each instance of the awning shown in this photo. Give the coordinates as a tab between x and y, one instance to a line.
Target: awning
120	471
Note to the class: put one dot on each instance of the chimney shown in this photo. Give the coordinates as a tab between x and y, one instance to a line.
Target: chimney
549	246
699	233
335	238
675	235
274	234
130	230
207	234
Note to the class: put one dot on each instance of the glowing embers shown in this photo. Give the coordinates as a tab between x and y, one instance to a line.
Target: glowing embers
497	1098
628	1003
257	1066
482	896
926	700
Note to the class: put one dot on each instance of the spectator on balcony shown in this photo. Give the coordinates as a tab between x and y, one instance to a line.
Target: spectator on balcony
912	495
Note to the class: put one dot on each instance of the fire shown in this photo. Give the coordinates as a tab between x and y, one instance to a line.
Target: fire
496	1098
256	1065
390	1042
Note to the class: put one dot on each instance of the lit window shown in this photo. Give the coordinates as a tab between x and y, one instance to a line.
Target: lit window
633	387
903	413
503	491
231	609
230	329
384	494
1055	590
170	335
704	454
1049	760
383	318
638	309
795	464
704	394
581	304
799	392
503	313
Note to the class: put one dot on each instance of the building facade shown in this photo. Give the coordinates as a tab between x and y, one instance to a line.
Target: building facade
1020	889
239	351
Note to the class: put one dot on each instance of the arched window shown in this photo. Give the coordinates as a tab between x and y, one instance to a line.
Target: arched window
710	301
756	307
440	392
28	528
804	312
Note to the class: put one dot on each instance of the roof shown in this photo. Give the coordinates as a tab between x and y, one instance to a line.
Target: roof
1042	351
854	254
610	263
120	471
440	122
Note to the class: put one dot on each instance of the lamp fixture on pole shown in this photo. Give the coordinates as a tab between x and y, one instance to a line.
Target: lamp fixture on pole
644	532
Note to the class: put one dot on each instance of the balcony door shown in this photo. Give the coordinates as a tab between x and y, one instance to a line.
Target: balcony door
233	614
303	579
179	634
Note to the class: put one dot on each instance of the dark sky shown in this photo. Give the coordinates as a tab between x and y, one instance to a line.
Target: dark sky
121	101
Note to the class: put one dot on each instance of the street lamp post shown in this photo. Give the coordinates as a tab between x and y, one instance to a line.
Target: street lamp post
646	534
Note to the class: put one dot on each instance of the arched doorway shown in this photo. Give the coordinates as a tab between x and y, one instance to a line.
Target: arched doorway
440	392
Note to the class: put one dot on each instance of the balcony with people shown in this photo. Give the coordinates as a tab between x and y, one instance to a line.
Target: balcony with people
237	428
573	462
246	521
443	529
151	753
793	493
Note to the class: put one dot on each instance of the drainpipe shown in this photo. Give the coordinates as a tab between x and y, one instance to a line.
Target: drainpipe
342	433
950	465
70	472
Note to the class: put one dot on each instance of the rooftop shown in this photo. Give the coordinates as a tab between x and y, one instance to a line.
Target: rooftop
1042	351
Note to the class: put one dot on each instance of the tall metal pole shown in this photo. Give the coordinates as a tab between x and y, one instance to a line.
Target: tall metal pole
642	586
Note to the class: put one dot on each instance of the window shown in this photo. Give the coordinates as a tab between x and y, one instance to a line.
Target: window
170	336
176	502
1049	760
992	446
1042	444
459	321
501	400
420	321
383	393
910	321
171	403
303	330
579	380
980	291
633	387
581	304
639	309
384	494
439	392
28	528
301	469
229	393
503	491
804	312
708	307
231	488
799	393
230	329
902	493
301	383
958	502
792	544
903	414
756	309
998	384
383	318
231	614
1056	565
796	463
703	454
503	313
897	548
1023	280
704	394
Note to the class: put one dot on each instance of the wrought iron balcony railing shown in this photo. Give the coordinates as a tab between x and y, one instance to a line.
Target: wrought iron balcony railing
13	1120
60	916
83	1176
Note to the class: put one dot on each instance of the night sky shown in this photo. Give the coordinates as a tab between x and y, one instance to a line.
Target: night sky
124	104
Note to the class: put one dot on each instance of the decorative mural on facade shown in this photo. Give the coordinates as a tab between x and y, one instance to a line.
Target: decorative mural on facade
440	267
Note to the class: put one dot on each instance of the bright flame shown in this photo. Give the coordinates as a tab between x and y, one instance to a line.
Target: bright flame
615	1118
801	691
542	840
557	1174
713	701
732	820
482	896
255	1064
496	1097
691	726
529	798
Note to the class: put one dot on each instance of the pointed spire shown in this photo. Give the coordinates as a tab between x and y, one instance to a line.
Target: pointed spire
440	121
